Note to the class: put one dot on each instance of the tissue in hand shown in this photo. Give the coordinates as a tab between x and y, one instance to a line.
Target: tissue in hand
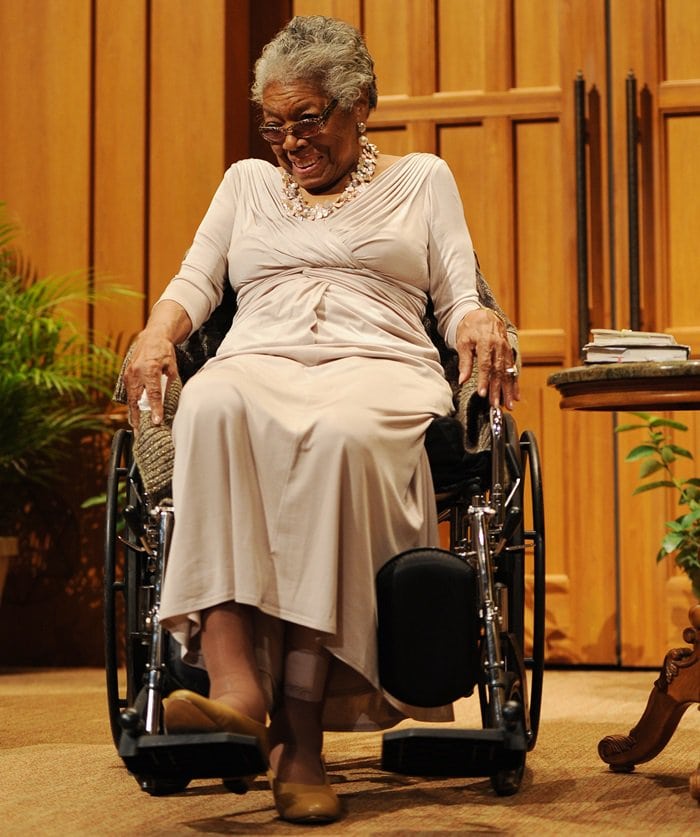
144	404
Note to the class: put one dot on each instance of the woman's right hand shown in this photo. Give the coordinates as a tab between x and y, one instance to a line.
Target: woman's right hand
152	356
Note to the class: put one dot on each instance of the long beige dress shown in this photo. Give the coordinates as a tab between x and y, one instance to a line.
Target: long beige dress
299	460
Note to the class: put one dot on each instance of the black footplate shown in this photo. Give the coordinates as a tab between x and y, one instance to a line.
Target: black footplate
194	756
427	751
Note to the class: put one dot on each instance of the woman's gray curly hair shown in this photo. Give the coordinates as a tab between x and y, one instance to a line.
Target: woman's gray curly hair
320	49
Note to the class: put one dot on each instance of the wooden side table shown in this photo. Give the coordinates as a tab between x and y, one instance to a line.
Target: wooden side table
645	387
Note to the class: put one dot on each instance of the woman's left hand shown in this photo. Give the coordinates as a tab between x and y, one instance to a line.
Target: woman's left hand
482	334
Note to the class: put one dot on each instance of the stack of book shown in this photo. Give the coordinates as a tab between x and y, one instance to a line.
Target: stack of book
625	346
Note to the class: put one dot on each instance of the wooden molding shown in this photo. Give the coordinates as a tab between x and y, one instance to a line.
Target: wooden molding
679	95
543	346
442	108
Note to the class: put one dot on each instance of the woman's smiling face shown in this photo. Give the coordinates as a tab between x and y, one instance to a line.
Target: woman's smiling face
320	164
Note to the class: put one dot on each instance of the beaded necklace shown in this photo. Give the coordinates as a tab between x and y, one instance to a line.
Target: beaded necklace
296	205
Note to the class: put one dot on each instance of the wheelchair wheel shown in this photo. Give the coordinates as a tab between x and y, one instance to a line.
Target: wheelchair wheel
536	536
507	781
162	787
523	463
121	577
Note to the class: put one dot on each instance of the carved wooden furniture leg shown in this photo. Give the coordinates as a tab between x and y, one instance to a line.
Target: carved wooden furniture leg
677	687
695	784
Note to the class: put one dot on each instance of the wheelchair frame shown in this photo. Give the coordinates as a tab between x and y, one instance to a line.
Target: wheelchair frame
486	530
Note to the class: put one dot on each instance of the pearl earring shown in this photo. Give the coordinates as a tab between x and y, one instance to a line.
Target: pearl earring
361	128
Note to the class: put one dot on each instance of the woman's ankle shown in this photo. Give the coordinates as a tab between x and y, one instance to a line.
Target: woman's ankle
297	765
296	743
253	706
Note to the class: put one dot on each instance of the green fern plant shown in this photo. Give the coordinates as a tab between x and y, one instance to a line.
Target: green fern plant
55	382
656	457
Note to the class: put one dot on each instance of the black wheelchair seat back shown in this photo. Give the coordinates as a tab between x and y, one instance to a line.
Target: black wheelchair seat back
452	467
428	627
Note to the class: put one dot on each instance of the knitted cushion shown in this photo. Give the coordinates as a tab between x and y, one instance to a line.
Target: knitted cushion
153	446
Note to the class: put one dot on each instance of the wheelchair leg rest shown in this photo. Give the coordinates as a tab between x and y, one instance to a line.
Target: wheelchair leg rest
173	759
426	751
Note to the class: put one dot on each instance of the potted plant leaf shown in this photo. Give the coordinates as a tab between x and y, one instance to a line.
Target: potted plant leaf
657	455
55	382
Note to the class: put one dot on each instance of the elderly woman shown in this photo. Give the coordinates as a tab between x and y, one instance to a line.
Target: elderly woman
300	466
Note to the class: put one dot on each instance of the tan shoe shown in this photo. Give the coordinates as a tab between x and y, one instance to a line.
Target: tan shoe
300	803
186	711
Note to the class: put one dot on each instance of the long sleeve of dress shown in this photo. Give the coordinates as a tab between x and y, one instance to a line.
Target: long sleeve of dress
199	283
453	287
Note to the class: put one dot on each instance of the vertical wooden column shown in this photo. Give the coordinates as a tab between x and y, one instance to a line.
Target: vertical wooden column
45	127
120	185
187	117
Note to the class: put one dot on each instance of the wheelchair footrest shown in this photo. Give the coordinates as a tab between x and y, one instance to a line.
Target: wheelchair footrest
427	751
192	756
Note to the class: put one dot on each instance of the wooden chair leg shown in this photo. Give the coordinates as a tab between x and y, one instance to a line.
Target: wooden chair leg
695	784
677	687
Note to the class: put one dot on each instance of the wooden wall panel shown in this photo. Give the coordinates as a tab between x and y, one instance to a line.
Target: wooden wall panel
474	45
479	156
461	29
642	622
634	48
681	30
536	43
539	408
677	174
499	45
45	127
349	10
583	39
542	290
187	129
404	63
120	179
683	201
464	149
392	140
589	518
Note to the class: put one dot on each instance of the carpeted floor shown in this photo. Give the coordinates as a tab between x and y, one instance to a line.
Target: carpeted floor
60	774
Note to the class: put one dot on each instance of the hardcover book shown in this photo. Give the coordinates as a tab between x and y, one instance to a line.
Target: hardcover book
626	346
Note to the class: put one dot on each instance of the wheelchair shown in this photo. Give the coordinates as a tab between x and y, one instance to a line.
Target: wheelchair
450	621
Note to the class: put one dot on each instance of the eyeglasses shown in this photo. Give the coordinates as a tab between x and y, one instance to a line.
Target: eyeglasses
301	130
